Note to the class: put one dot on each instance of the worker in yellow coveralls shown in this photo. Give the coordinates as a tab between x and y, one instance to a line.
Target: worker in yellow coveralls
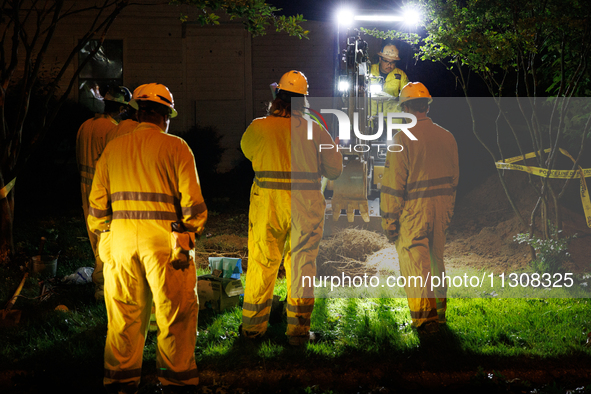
286	216
128	122
90	143
147	206
394	79
417	202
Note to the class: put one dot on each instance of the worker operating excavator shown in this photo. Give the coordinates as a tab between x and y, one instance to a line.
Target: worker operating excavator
394	79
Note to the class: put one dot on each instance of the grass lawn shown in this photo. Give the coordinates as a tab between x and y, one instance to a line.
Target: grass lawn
525	345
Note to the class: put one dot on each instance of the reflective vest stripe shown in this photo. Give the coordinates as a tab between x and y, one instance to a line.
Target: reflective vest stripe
256	307
423	314
194	210
288	175
298	321
392	192
121	375
253	321
300	308
287	185
87	169
158	197
86	180
181	376
99	213
448	191
143	196
145	215
389	215
430	183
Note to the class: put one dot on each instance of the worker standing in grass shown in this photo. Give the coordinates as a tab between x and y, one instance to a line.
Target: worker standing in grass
286	216
90	143
147	206
417	202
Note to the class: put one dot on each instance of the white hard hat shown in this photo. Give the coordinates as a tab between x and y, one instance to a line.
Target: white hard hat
154	92
390	53
294	81
414	90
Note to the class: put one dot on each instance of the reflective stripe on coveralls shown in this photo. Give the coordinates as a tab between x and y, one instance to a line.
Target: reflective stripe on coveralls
286	216
144	181
418	196
90	143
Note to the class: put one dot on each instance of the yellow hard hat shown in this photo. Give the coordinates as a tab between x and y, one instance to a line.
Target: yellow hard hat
294	81
154	92
390	53
414	90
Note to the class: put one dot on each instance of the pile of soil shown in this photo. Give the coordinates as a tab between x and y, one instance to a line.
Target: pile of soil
481	234
348	252
484	224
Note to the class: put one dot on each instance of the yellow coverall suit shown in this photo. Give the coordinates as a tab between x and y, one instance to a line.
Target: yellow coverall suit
124	127
145	181
393	84
286	217
417	199
90	143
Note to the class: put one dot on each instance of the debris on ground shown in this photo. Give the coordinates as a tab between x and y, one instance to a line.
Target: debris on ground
82	276
221	246
348	251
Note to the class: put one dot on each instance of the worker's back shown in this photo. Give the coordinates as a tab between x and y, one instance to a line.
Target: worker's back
282	156
426	173
151	182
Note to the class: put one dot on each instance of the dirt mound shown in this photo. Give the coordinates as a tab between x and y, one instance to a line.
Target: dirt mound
221	246
480	235
348	251
384	261
484	224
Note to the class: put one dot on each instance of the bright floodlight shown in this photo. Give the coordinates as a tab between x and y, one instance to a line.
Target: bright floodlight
343	86
378	18
412	17
345	17
375	88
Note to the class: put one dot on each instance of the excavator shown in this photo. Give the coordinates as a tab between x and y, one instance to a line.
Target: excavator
353	198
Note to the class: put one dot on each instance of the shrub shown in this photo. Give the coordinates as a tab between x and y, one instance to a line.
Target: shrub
551	253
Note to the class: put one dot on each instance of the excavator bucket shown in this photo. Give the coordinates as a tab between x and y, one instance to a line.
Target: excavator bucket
349	206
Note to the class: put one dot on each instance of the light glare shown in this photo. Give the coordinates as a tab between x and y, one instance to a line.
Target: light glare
345	17
375	88
412	17
378	18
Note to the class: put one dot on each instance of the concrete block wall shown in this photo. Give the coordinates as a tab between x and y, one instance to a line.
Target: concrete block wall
219	75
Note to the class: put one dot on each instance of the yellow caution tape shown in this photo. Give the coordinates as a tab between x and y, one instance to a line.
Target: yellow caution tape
4	192
580	173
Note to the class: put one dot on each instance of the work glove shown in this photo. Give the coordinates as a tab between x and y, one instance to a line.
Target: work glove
392	232
183	245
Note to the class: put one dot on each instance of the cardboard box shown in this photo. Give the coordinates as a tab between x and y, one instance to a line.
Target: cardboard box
218	294
227	267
